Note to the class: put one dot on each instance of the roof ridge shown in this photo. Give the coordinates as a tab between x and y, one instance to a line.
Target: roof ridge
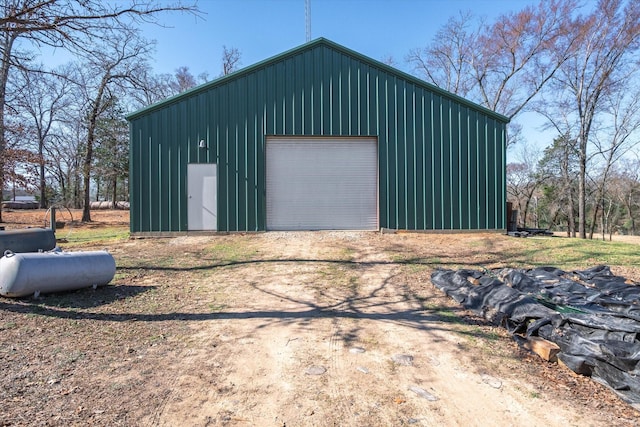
304	47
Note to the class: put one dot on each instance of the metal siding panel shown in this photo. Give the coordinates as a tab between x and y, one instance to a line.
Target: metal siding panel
327	183
170	170
429	153
363	100
251	138
232	160
180	139
260	131
241	156
217	148
135	206
392	147
281	87
373	104
492	194
474	177
465	148
334	94
401	153
223	163
418	159
150	176
437	163
299	92
346	96
356	109
446	164
154	172
454	165
288	97
327	91
163	179
383	150
413	172
270	100
318	96
503	172
308	77
482	172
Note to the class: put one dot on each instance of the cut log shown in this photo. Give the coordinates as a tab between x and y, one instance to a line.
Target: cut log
546	349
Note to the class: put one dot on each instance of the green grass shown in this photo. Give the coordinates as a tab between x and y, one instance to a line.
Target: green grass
230	251
570	253
101	235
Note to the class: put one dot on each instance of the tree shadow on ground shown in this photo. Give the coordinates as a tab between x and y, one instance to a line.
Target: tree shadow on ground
388	302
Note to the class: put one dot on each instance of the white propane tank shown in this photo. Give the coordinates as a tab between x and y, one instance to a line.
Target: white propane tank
31	273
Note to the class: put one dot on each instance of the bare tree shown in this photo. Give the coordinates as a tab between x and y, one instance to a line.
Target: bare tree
523	181
447	61
108	69
622	116
502	65
626	187
608	40
156	87
41	97
69	24
389	60
182	80
230	60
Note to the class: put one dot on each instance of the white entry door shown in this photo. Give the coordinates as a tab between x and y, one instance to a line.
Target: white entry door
202	206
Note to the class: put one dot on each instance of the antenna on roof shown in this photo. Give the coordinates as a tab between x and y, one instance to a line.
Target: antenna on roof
307	18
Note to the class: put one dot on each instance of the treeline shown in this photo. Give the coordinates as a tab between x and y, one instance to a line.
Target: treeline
62	130
543	188
573	63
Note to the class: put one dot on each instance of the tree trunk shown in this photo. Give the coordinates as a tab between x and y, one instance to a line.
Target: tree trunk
91	131
115	191
7	47
86	211
571	231
594	220
582	198
43	186
628	203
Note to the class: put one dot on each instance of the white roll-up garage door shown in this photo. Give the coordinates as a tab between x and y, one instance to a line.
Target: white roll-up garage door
325	183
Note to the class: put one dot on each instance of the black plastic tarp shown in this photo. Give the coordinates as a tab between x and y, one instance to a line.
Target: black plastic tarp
592	315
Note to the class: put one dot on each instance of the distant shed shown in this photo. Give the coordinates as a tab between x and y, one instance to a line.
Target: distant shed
319	137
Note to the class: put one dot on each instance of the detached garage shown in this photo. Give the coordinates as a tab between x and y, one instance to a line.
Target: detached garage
317	138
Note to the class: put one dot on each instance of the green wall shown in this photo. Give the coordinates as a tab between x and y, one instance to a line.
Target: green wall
441	158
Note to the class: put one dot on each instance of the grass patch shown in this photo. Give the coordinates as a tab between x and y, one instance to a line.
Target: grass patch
230	251
103	235
8	325
445	314
569	254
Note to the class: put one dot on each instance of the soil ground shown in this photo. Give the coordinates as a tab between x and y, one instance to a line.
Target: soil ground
279	329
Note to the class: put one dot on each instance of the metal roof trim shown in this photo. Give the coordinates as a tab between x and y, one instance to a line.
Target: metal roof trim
321	41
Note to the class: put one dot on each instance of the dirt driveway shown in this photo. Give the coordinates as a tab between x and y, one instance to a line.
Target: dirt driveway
282	329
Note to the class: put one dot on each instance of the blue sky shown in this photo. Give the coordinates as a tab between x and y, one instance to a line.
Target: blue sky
260	29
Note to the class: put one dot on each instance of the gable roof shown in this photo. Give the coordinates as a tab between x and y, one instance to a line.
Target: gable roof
308	46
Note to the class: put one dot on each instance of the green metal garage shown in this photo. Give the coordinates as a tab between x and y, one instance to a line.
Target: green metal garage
319	137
